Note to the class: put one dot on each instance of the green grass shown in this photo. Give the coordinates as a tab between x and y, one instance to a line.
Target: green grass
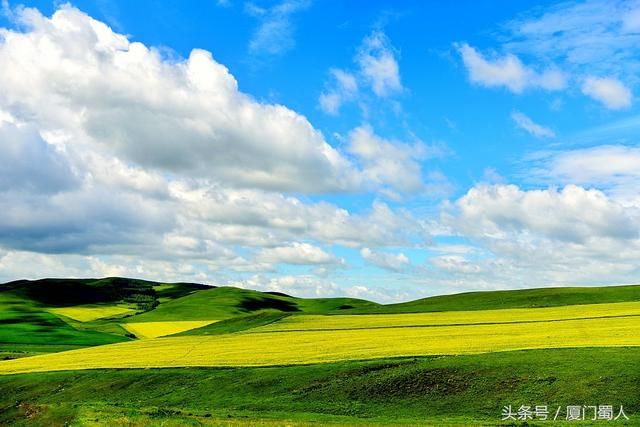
37	316
227	302
524	298
24	324
238	323
444	390
469	390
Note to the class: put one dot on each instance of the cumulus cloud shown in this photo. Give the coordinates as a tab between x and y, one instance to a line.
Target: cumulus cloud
115	160
387	261
315	287
297	253
28	163
455	264
612	93
385	161
508	71
524	122
572	214
540	237
303	285
612	168
184	116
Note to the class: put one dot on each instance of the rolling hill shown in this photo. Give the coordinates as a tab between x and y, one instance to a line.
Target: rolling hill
338	360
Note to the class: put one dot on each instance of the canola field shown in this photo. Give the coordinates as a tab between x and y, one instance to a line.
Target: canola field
516	315
88	313
147	330
260	347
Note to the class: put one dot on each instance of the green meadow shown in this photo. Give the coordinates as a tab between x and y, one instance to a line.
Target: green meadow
72	356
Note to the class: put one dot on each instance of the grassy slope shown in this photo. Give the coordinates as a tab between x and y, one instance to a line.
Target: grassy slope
226	302
524	298
459	388
361	337
466	389
30	325
242	309
26	328
72	292
238	323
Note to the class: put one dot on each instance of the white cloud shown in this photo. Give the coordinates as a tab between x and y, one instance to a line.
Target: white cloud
304	285
592	36
253	216
184	116
595	165
118	161
378	65
343	88
274	36
387	261
508	71
524	122
314	287
297	253
572	214
612	93
455	264
28	163
543	237
612	168
378	71
386	161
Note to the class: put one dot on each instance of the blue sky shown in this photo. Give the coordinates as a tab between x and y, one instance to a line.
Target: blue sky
321	148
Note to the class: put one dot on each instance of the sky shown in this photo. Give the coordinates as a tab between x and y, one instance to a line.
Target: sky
386	151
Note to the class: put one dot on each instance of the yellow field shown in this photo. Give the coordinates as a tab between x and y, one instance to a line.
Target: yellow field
302	347
161	329
320	322
87	313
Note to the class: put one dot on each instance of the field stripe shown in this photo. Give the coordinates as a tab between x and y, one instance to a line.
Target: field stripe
487	317
284	331
268	349
146	330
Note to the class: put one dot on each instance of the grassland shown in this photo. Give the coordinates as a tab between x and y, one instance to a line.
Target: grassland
228	302
27	329
452	318
522	298
258	347
271	359
467	390
52	315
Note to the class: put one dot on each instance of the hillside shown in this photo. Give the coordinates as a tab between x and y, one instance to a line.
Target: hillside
52	315
434	391
222	356
226	302
521	298
58	314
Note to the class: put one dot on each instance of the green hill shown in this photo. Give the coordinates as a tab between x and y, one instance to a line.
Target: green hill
227	302
522	298
53	315
32	319
58	314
